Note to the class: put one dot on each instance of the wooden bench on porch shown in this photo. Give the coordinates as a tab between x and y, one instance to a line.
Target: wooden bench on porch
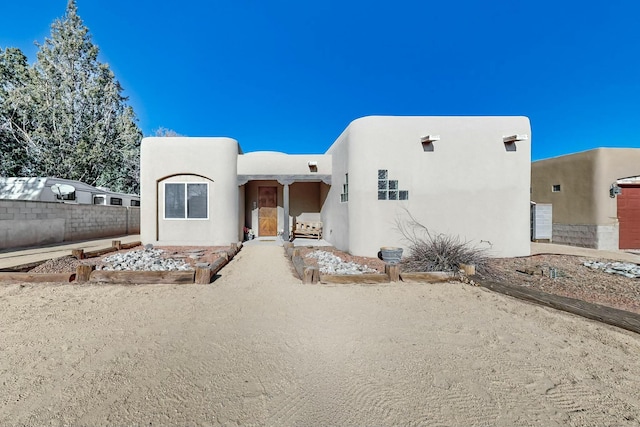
307	229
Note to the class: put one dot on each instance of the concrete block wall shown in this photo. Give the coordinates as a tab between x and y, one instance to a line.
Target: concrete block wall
602	237
87	222
133	220
583	235
32	223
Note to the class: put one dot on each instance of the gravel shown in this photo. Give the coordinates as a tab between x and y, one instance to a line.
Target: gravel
333	264
65	264
573	279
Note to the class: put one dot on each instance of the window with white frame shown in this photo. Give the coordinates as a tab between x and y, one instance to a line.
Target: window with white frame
186	200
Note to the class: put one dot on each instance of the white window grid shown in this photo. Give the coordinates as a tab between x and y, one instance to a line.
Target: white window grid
186	199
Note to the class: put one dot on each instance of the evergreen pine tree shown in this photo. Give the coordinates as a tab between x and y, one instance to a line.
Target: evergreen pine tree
83	128
15	114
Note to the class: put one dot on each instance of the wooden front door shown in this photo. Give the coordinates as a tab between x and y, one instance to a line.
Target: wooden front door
267	211
629	217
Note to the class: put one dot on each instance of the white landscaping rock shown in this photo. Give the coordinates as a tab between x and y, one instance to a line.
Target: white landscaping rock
333	264
627	269
144	260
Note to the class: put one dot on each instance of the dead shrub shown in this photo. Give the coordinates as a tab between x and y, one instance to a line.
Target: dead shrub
430	251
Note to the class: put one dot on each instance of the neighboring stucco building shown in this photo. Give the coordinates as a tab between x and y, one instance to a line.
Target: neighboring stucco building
465	176
595	196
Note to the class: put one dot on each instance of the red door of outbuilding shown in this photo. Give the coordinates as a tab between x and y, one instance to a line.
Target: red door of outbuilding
629	217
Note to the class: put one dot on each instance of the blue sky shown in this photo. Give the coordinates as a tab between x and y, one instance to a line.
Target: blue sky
290	75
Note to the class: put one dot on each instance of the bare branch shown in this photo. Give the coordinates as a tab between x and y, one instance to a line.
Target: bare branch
429	251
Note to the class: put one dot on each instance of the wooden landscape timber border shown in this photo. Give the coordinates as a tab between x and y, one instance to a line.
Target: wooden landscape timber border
88	273
116	245
201	275
611	316
311	274
37	277
429	277
22	268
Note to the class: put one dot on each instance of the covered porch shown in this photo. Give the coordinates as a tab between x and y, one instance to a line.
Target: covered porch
269	204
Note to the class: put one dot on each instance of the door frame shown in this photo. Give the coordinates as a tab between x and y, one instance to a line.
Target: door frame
623	239
274	212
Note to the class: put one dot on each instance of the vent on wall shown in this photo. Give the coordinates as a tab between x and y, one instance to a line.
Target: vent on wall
514	138
510	141
427	141
430	138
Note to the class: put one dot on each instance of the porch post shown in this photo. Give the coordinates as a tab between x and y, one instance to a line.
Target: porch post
285	197
285	182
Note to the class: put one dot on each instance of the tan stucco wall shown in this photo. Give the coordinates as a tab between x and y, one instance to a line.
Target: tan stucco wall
212	158
576	175
275	163
305	198
241	212
334	213
585	179
583	212
469	186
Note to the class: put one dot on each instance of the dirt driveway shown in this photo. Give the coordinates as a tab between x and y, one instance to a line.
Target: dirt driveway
258	347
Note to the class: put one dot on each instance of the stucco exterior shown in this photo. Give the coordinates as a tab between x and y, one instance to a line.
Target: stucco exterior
584	213
466	182
197	160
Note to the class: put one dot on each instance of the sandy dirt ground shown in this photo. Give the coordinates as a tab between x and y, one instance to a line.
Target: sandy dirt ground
259	348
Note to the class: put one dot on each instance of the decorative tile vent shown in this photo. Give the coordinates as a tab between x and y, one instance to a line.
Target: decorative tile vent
388	189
